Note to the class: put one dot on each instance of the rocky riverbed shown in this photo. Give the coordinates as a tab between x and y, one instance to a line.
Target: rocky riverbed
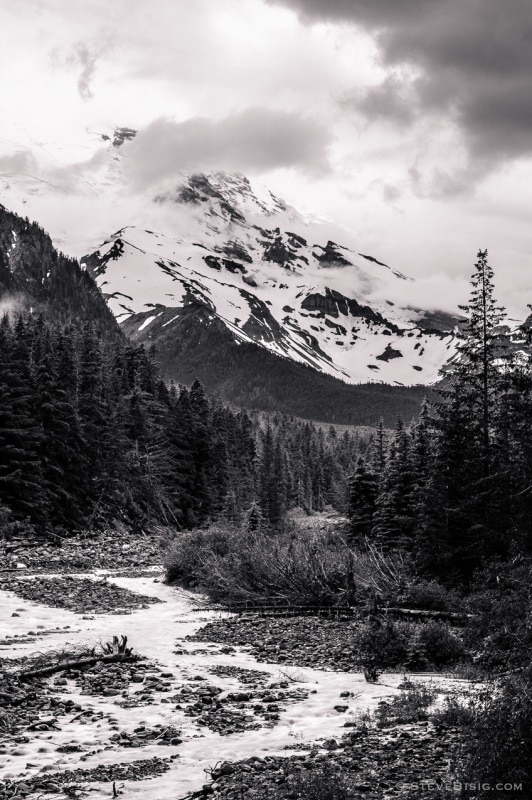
202	705
301	641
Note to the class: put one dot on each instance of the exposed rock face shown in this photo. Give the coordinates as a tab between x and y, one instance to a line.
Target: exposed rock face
235	249
332	303
278	252
122	135
199	190
331	256
389	353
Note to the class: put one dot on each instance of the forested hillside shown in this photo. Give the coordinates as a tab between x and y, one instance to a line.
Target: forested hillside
90	434
199	345
34	275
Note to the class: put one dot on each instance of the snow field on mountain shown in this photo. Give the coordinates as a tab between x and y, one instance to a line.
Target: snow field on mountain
285	257
141	270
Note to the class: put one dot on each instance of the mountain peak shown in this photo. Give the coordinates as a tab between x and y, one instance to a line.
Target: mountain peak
273	279
230	196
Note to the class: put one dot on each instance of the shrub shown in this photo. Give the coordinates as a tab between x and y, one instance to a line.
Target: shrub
321	781
440	645
430	596
189	555
454	713
501	629
411	706
500	737
416	659
381	644
6	525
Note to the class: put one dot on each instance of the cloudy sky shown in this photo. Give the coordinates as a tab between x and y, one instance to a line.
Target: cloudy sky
409	121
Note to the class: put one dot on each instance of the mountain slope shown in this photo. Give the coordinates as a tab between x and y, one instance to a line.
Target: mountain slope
273	279
199	345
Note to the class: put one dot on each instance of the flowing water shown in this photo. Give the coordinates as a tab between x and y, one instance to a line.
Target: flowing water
157	632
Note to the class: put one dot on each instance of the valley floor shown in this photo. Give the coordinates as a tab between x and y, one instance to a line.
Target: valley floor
208	709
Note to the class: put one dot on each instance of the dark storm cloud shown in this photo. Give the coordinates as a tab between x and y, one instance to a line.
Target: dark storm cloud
393	100
372	12
255	139
473	60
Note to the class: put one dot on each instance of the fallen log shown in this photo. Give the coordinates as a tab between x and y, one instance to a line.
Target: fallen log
79	663
358	611
415	613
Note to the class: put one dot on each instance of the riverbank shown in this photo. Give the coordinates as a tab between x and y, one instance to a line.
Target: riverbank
161	726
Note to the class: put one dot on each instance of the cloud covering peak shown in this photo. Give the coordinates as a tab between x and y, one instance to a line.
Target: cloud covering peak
256	139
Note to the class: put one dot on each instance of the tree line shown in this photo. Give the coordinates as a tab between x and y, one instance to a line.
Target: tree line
91	434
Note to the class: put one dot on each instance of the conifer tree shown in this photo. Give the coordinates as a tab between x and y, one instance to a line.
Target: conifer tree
363	491
268	484
477	376
467	463
394	515
21	482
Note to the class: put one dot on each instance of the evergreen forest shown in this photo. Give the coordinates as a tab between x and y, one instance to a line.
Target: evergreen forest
91	435
455	488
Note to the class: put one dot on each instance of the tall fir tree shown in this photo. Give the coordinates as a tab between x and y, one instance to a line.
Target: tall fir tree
468	463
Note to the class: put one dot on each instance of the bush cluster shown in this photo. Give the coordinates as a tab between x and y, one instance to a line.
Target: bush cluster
409	706
233	564
414	646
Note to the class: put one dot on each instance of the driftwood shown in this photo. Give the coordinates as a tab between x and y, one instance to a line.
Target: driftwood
79	663
49	723
299	611
276	610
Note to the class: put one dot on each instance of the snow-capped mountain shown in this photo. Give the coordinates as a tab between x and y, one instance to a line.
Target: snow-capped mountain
296	286
269	307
